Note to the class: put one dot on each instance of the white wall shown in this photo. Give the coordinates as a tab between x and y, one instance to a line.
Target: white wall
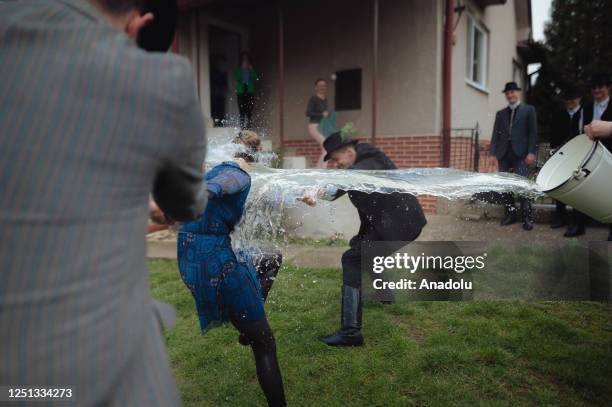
471	105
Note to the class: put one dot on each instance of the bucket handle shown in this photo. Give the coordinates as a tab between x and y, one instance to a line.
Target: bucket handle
580	173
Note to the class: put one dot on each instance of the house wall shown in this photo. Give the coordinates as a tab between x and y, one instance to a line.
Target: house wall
469	104
323	37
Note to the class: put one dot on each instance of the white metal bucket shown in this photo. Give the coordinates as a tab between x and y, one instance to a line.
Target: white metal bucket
580	174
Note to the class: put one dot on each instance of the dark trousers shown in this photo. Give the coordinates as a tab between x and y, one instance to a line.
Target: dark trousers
246	103
576	218
351	259
511	163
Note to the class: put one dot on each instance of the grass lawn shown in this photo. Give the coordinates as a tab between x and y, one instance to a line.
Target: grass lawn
416	353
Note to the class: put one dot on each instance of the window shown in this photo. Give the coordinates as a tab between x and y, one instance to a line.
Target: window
348	89
478	39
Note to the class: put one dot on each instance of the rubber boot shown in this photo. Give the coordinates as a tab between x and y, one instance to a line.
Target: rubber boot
350	320
559	219
577	227
510	217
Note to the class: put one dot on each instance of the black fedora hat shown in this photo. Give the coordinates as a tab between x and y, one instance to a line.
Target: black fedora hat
336	141
571	93
158	36
600	79
511	86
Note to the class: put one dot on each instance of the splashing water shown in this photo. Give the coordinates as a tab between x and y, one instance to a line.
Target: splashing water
273	190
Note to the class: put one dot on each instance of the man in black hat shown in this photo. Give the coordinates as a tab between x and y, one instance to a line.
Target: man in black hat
567	124
384	217
514	142
599	109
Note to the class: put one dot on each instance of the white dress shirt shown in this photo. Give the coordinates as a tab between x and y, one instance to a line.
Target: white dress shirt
573	112
600	108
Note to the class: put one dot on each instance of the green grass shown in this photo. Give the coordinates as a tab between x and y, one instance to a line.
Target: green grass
416	353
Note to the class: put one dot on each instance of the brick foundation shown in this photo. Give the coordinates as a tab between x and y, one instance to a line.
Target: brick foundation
412	151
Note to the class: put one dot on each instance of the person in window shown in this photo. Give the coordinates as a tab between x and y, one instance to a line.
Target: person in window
316	111
245	76
514	143
230	286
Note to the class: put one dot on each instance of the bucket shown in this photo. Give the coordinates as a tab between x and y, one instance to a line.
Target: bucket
580	174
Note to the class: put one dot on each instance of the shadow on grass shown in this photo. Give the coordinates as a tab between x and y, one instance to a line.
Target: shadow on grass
416	353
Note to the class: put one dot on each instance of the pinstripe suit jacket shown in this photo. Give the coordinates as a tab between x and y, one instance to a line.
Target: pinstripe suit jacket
89	125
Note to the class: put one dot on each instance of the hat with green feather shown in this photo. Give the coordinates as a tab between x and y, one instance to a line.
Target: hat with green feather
338	140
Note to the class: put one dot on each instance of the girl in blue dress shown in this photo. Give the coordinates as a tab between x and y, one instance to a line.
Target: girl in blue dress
226	287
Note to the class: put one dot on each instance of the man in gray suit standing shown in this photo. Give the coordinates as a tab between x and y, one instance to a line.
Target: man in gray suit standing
89	125
514	143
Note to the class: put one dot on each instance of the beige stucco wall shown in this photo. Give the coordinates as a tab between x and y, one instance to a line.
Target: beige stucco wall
322	37
471	105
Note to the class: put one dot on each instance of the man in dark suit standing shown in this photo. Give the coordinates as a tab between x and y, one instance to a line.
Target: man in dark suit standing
599	109
514	142
567	124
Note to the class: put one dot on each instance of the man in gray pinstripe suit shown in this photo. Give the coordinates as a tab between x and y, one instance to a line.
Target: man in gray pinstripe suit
89	125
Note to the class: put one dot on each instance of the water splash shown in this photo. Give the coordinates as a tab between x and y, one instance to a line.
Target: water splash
273	189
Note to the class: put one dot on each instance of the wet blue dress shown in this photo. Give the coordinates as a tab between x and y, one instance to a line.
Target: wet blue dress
223	286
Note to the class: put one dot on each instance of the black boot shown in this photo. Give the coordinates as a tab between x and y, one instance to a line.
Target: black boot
527	216
510	217
575	230
577	226
559	219
350	331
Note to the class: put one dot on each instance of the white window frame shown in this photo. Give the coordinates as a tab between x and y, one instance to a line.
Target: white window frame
474	25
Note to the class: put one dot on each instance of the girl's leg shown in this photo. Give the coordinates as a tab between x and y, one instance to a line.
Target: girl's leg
260	337
267	265
313	130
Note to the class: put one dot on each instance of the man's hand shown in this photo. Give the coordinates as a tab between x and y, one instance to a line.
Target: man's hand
598	129
310	196
325	113
157	216
530	159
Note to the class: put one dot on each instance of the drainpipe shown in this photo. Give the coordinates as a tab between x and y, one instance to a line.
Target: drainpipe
281	74
447	82
374	69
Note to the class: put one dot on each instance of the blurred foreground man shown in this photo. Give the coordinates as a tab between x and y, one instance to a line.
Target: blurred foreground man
514	142
90	125
393	217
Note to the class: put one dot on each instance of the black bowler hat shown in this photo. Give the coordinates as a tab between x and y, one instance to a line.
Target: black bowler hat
600	79
158	36
336	141
510	86
571	93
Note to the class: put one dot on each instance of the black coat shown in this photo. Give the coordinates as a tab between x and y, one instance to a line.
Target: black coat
524	132
562	130
395	216
606	116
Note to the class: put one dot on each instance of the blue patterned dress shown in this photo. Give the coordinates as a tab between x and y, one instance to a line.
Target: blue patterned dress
223	287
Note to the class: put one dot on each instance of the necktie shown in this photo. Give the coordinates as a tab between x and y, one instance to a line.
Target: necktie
512	114
575	124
